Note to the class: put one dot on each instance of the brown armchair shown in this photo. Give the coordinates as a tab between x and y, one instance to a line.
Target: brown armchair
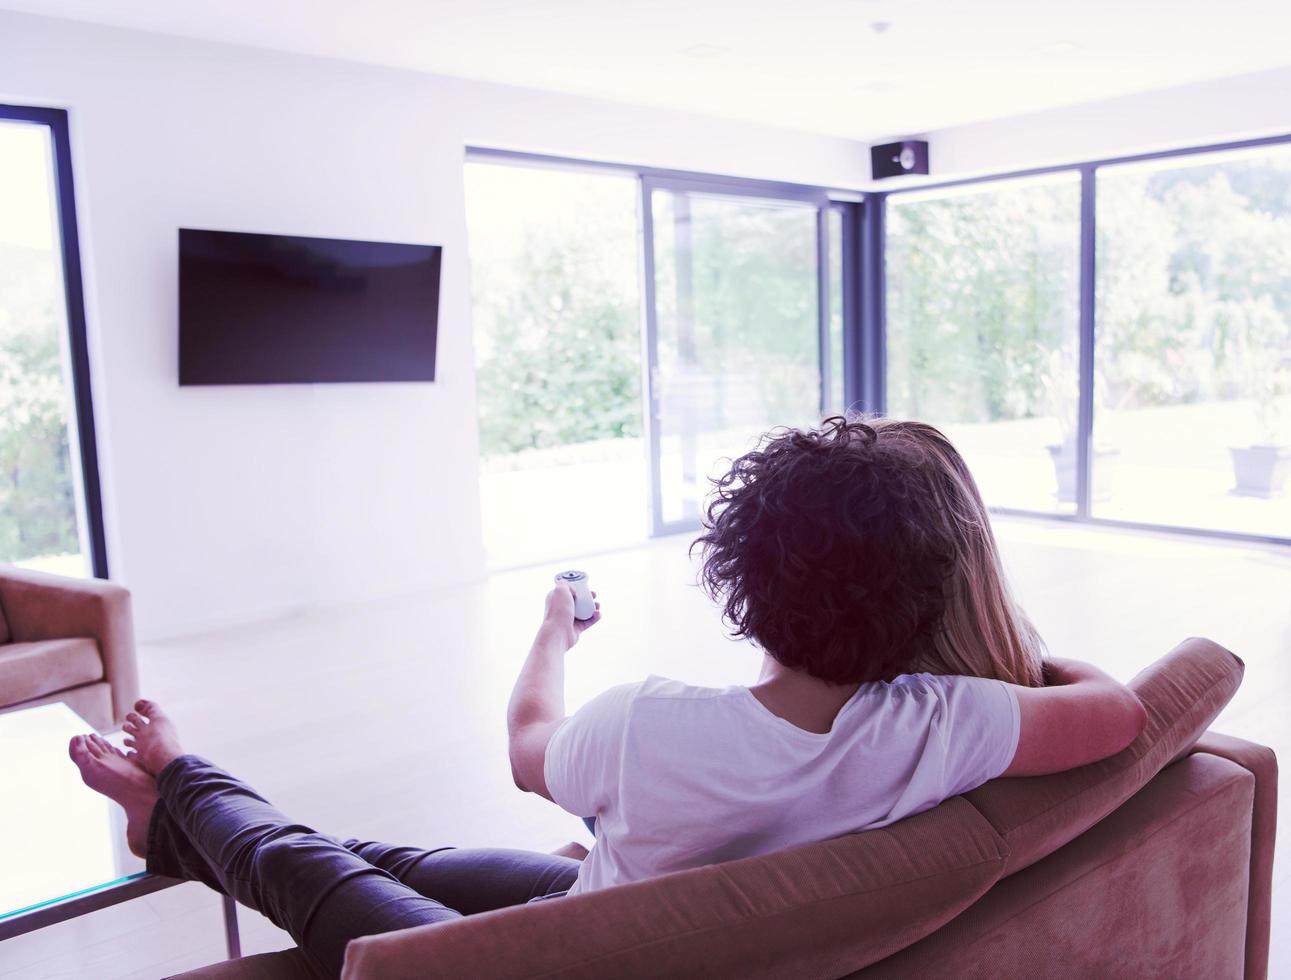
66	639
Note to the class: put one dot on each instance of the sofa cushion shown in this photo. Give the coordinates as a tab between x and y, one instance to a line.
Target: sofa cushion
1182	692
822	910
5	635
29	670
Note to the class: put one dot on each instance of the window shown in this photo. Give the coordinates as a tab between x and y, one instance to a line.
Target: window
556	308
983	330
737	299
634	329
1193	352
50	516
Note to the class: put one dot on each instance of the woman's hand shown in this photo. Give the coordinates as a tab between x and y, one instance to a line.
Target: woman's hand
559	616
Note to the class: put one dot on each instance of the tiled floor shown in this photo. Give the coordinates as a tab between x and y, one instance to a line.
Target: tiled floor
386	720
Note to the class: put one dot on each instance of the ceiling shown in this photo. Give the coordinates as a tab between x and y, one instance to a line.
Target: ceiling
857	68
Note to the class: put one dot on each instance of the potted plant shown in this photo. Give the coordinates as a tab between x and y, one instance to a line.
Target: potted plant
1261	468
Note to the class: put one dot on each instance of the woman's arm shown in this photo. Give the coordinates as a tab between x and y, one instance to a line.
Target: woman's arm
537	705
1082	716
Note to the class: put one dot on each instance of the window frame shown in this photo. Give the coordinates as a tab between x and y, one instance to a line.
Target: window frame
875	272
78	346
651	179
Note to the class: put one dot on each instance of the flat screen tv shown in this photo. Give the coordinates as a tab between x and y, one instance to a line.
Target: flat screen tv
278	309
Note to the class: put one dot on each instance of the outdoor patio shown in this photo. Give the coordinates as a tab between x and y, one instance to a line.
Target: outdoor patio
1169	466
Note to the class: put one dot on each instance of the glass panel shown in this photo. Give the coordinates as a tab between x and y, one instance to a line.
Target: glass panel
72	839
554	283
836	402
39	485
983	330
736	302
1193	350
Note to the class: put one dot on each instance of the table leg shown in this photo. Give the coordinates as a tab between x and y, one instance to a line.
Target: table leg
231	935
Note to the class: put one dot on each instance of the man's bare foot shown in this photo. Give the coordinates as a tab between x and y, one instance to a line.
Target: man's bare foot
152	735
106	770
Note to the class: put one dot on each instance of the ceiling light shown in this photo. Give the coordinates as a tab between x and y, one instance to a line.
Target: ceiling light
1059	47
704	51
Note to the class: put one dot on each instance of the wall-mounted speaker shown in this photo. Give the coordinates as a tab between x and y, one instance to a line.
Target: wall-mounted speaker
898	159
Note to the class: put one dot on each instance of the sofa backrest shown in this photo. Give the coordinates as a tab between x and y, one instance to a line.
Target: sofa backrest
43	606
826	909
811	911
1182	692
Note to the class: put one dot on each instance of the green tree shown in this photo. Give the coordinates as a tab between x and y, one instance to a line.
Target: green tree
982	292
1193	293
37	506
753	306
1195	285
564	361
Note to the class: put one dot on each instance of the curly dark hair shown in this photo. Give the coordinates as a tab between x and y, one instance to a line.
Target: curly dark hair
820	547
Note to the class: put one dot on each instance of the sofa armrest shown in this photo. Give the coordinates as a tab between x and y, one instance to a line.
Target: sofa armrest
1261	761
1182	693
40	606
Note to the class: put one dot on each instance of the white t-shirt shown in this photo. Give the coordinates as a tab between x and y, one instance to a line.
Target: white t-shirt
679	777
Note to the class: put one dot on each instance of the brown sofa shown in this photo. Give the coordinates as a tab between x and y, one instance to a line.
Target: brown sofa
66	639
1154	863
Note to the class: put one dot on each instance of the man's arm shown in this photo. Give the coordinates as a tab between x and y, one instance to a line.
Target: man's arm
537	705
1082	716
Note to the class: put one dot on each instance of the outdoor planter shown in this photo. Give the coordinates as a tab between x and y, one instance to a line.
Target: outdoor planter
1064	468
1260	471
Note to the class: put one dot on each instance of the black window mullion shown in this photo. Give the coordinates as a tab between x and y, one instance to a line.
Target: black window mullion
1085	403
867	326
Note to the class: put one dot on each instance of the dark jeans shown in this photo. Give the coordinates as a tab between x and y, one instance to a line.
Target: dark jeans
210	827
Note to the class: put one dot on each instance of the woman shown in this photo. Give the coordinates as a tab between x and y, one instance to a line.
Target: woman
897	672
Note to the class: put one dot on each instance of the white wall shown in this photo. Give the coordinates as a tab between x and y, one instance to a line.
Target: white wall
228	504
1241	107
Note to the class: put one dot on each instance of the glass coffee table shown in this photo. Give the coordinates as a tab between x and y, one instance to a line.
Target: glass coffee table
62	846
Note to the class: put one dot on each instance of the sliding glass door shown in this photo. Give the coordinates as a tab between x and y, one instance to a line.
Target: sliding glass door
734	329
634	331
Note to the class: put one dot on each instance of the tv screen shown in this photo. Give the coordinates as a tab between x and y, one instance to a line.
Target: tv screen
278	309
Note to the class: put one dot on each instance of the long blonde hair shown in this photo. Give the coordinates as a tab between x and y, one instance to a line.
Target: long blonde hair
984	632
